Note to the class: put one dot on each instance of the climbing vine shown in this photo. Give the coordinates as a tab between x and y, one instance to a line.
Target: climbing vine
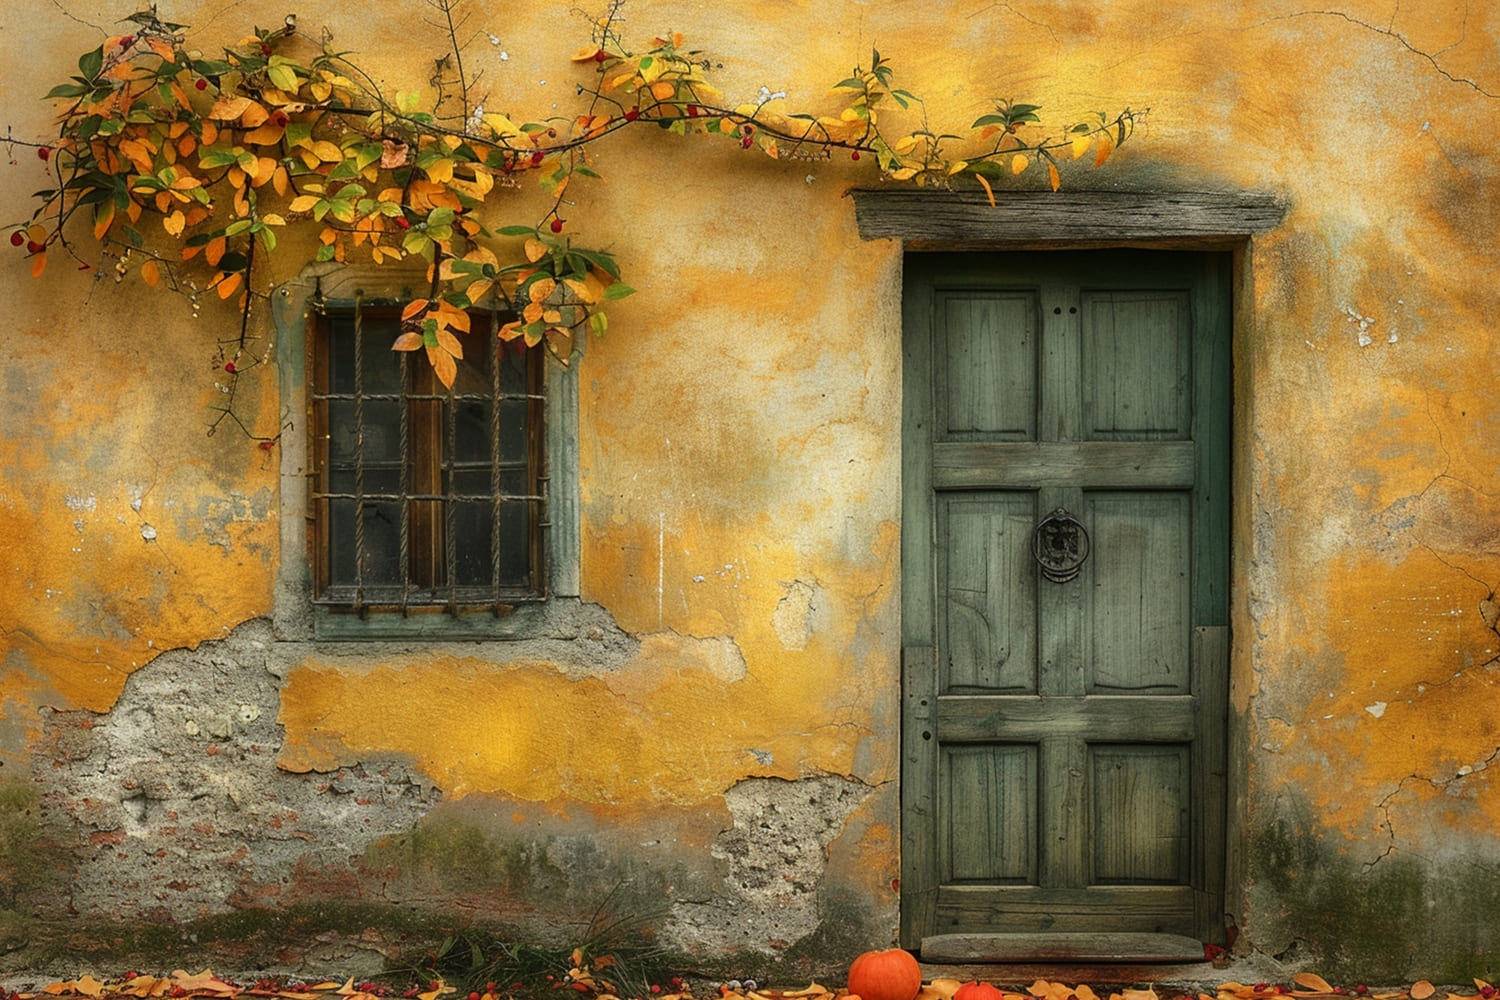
185	167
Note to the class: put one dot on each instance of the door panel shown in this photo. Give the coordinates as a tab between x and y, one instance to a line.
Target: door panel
1063	738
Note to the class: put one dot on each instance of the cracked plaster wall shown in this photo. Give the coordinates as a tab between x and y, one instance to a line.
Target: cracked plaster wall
740	519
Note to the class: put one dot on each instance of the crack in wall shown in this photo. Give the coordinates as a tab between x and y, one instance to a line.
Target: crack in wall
1383	807
1389	31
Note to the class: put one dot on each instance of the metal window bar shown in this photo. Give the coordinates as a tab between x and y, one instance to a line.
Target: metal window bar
448	496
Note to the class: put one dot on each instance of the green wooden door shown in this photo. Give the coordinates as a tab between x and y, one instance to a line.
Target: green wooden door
1063	739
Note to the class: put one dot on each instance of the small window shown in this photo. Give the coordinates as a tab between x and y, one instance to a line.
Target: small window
422	496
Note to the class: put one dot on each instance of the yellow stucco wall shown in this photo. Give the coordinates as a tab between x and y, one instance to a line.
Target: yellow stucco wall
740	428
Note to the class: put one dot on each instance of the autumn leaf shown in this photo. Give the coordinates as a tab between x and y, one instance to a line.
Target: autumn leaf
150	273
1422	989
1053	176
1106	146
1019	162
1312	982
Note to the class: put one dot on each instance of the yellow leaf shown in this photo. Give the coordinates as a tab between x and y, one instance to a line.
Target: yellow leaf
541	288
535	250
408	341
989	192
174	223
1019	162
440	171
229	284
1081	144
904	174
1106	146
1312	981
510	331
272	219
303	203
327	151
1053	176
905	144
150	273
958	166
585	54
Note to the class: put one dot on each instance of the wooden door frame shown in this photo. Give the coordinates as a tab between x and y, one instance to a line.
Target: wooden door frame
1077	220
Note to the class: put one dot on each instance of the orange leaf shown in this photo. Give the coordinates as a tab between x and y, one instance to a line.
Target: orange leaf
449	343
228	284
1106	146
535	250
38	264
104	216
989	192
150	273
446	371
1312	982
414	307
214	251
1053	176
408	341
1422	989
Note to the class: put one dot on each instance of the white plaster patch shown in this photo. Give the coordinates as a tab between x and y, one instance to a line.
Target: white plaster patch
1377	709
80	503
148	533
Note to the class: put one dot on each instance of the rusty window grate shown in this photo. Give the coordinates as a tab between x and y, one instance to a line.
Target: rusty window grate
424	497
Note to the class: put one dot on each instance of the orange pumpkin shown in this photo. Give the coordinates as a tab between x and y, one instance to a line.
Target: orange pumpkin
977	991
892	974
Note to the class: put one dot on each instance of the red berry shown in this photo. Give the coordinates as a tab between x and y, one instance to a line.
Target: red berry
201	83
854	155
229	367
34	247
600	56
632	114
536	158
655	988
474	995
16	239
43	152
265	49
557	225
746	142
127	41
402	223
692	110
267	446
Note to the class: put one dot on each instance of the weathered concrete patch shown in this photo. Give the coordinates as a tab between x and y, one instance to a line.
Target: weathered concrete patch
775	858
172	803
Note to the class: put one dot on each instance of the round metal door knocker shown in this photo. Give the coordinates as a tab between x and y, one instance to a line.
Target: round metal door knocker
1060	545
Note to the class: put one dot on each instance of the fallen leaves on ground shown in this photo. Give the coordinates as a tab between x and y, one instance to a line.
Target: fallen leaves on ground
181	985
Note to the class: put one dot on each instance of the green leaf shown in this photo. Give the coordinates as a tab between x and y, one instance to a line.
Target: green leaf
850	83
90	63
267	237
618	290
237	227
983	120
67	90
599	322
284	77
516	231
325	253
440	217
297	131
134	236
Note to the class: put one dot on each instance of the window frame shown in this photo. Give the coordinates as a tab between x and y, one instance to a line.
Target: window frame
426	426
298	613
